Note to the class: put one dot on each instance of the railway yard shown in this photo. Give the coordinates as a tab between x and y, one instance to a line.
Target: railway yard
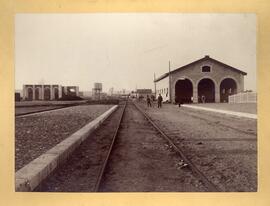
139	104
141	149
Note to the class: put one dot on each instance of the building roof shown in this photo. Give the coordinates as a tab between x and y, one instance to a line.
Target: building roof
144	91
197	61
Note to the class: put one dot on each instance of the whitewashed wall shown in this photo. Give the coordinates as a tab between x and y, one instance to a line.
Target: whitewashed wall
249	97
162	87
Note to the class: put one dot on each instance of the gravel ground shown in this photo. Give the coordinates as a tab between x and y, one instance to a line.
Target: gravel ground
80	172
38	133
241	107
223	147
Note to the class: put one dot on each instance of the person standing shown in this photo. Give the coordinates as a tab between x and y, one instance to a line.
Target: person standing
160	101
178	101
148	101
203	99
152	100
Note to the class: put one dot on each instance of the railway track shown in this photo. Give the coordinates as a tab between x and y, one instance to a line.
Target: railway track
211	187
226	156
104	171
84	162
104	165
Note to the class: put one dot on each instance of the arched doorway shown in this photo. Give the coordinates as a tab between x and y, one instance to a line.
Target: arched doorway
206	90
30	94
56	93
37	94
228	87
47	94
183	91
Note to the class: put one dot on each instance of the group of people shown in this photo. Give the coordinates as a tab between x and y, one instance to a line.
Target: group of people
159	101
178	101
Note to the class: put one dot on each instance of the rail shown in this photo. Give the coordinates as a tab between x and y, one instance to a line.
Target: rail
105	163
211	187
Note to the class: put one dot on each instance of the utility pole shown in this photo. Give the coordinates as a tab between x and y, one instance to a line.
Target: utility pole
155	85
170	95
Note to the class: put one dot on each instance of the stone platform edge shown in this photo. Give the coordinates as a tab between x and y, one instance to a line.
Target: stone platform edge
238	114
32	174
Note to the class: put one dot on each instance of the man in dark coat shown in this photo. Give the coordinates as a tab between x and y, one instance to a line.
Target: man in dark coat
178	101
148	101
159	101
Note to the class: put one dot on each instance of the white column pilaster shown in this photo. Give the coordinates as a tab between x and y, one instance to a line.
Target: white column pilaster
34	92
217	94
60	91
24	92
42	92
195	95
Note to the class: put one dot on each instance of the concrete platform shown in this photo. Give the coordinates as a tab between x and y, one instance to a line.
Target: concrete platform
234	107
234	113
31	175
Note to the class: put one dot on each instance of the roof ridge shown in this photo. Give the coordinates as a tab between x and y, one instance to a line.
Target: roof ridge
196	61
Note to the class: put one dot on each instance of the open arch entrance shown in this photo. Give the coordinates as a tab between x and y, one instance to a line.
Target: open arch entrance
37	94
206	90
30	94
228	87
183	91
47	94
56	93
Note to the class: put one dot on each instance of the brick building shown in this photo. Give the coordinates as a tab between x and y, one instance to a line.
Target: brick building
205	79
143	93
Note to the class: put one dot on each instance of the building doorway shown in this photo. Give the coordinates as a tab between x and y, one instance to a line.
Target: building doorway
30	94
206	91
183	91
56	93
47	94
227	87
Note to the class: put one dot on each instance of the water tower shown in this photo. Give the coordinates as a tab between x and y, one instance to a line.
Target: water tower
97	90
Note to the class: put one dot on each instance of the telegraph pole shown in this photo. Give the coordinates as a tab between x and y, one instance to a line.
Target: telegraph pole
155	85
170	95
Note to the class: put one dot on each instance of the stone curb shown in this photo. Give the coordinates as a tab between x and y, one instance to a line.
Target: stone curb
43	112
31	175
239	114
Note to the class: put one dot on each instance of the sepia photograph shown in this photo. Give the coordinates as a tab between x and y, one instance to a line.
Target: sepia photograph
135	102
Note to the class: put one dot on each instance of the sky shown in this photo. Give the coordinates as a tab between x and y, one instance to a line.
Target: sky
124	50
